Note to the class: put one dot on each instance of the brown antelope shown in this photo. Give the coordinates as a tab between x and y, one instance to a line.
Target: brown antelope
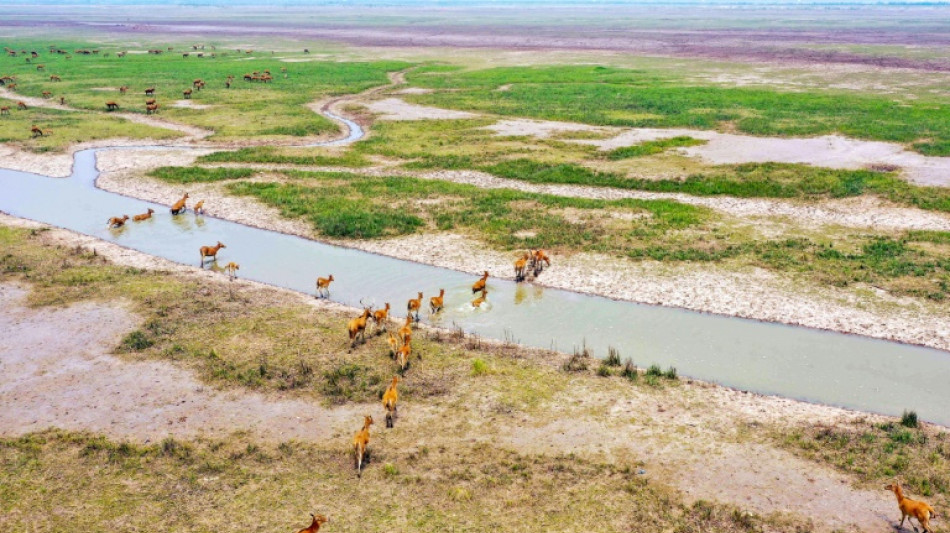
117	222
390	397
318	520
179	206
520	266
437	302
187	93
111	106
196	83
414	305
47	95
40	67
912	509
123	89
150	101
199	208
356	327
12	86
150	91
477	302
231	269
21	105
381	317
393	345
62	100
403	354
54	77
480	284
144	216
405	332
323	286
360	442
151	108
35	131
5	110
539	258
210	251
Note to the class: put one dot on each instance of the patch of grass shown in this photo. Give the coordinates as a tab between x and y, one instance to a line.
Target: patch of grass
351	383
909	420
287	156
136	341
880	452
604	370
613	357
629	370
199	174
479	367
652	147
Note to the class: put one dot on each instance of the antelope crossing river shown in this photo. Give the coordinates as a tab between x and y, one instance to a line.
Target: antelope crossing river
795	362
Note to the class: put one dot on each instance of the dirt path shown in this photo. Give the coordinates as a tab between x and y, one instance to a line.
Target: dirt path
55	370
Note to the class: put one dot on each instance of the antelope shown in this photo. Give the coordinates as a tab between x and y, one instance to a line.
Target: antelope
405	332
540	257
47	94
12	86
480	284
5	110
520	266
210	251
179	206
318	520
360	442
477	302
36	131
21	105
199	207
196	83
54	77
144	216
414	305
187	93
111	106
231	269
323	286
150	101
117	222
62	100
436	302
123	89
40	67
381	316
151	108
403	354
357	327
150	91
390	397
913	509
393	345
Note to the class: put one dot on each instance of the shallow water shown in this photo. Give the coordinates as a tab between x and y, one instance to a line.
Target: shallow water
806	364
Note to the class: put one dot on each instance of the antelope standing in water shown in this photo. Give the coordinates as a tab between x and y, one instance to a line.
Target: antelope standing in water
117	222
480	284
323	286
144	216
210	251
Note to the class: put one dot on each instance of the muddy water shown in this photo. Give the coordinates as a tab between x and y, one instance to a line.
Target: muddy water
801	363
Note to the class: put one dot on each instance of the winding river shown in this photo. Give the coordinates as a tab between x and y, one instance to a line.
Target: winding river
795	362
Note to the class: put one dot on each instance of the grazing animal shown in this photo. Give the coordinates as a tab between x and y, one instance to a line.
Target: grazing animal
360	443
210	251
480	284
318	520
912	509
414	305
5	110
144	216
393	345
111	106
62	100
356	327
520	266
55	78
436	302
47	94
150	91
187	93
231	269
403	354
21	105
36	131
390	397
196	83
117	222
151	108
539	261
123	89
199	207
150	101
323	286
381	317
477	302
405	332
179	206
40	67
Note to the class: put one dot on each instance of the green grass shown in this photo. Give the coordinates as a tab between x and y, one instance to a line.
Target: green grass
247	109
619	97
286	156
199	174
652	147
